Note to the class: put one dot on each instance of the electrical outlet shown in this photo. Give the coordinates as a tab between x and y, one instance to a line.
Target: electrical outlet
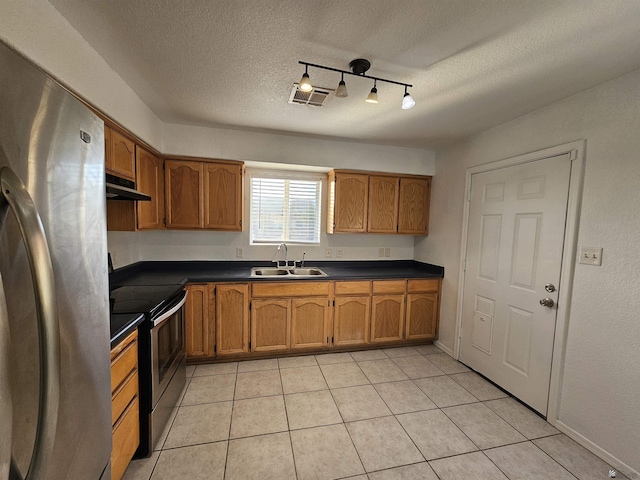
591	256
328	253
338	253
387	252
381	252
238	253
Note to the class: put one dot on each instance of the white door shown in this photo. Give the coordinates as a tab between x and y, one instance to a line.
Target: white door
514	249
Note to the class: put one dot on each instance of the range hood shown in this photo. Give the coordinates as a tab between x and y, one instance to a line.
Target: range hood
123	189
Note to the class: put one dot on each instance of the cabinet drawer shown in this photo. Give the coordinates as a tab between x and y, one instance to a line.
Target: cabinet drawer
123	396
423	285
353	288
389	286
290	289
122	366
126	438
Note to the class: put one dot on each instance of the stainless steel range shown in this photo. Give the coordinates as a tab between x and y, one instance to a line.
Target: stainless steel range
162	353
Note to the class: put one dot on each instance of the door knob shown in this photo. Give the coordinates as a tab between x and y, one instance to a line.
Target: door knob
547	302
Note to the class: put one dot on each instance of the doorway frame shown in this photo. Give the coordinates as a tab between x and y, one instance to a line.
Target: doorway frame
576	150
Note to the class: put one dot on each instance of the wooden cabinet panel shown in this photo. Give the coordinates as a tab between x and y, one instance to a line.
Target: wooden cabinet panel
124	364
198	322
310	318
413	210
387	318
108	158
383	204
351	203
123	395
389	286
126	438
223	196
423	285
353	288
232	318
121	160
270	325
150	180
184	196
290	289
422	315
351	320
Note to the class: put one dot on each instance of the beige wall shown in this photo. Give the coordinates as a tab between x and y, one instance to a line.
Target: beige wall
601	383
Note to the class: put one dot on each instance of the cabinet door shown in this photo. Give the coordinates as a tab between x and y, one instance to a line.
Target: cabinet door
223	196
383	204
199	328
123	156
351	203
422	316
150	180
232	318
310	318
387	318
270	325
413	210
108	158
351	320
183	185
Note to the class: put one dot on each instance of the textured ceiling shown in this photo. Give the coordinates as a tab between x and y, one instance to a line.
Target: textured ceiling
473	63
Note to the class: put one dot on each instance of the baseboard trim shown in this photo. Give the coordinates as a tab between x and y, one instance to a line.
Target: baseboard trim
600	452
444	348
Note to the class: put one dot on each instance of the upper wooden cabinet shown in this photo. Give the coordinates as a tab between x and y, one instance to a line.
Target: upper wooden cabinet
350	195
383	204
120	154
223	196
183	186
413	216
150	180
203	194
369	202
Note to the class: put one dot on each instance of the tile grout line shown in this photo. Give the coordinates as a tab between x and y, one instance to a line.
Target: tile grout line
286	416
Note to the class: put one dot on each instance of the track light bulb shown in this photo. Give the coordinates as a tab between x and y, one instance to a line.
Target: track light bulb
373	94
341	91
305	84
407	101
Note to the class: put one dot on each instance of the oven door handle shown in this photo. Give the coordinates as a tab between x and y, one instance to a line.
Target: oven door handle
170	312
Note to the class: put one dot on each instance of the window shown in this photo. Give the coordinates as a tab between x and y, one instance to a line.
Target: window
285	207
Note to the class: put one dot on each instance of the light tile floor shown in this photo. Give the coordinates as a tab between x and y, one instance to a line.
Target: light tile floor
402	413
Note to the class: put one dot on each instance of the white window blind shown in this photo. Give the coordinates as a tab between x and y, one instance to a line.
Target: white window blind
285	209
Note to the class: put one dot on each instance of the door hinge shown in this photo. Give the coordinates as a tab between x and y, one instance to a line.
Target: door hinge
328	303
164	220
250	305
215	290
469	194
249	346
331	340
215	348
240	222
334	303
464	265
327	339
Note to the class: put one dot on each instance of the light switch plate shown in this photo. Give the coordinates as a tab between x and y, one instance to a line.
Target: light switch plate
591	256
381	252
387	252
328	253
338	253
238	252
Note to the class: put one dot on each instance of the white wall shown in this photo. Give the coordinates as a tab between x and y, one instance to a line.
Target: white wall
601	384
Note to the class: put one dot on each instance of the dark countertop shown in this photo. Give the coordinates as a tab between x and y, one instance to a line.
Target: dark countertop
122	325
180	272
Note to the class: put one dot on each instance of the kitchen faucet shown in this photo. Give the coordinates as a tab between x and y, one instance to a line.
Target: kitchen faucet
277	262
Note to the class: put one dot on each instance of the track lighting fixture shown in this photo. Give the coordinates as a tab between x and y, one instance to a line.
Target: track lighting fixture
305	84
373	94
341	91
407	101
358	67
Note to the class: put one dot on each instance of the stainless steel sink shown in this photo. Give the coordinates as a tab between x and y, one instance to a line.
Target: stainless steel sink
290	272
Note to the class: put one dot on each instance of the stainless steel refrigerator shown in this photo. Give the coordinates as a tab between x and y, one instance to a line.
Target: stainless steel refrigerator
55	394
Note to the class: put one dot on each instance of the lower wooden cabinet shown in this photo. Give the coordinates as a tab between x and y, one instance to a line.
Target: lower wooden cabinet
125	410
232	318
310	319
198	323
423	302
277	317
270	325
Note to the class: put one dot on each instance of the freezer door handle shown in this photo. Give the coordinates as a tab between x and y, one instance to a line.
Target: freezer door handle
15	194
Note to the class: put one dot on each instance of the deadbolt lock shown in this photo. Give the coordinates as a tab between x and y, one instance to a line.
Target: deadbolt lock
550	287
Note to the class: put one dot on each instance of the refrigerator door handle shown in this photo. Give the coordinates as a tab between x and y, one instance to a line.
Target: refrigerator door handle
16	195
6	407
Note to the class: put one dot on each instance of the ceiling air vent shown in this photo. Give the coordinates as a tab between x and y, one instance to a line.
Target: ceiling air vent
316	97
